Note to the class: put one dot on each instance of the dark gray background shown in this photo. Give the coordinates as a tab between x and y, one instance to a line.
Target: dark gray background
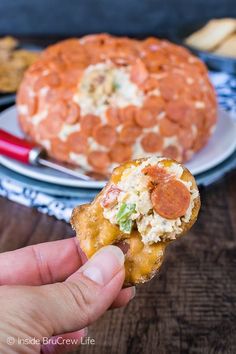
133	17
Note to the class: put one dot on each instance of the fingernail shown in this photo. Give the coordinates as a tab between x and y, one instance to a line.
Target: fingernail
85	332
133	292
104	265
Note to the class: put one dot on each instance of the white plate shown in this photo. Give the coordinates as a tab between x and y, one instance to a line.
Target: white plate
220	146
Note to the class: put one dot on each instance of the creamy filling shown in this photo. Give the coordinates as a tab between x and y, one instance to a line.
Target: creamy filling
104	85
68	129
135	194
80	160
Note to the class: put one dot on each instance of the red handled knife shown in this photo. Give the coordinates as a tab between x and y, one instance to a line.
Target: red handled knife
30	154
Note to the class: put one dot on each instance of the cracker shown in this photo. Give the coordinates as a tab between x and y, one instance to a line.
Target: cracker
142	260
212	34
228	47
8	43
13	63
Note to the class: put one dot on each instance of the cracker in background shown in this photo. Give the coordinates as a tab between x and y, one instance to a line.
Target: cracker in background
13	63
8	43
26	56
228	47
211	35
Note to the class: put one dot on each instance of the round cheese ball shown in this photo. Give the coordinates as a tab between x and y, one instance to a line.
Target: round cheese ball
100	100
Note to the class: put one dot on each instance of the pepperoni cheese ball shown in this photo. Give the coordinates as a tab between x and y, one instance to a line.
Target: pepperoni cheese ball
100	100
146	204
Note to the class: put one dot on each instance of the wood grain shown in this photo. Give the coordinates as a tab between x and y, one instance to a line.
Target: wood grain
189	308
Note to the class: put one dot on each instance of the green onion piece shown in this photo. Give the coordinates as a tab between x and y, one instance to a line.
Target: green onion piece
125	211
116	86
122	217
126	226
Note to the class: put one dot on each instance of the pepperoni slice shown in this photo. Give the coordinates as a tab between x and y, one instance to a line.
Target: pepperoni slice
99	160
139	72
171	151
32	104
155	62
59	149
149	85
59	109
211	118
200	141
105	135
88	123
72	77
181	112
178	51
121	153
171	199
52	79
151	43
56	63
73	113
210	97
23	94
127	114
25	98
36	68
168	128
171	86
155	104
113	117
157	174
186	138
152	142
199	121
65	93
129	133
74	56
145	118
50	97
49	127
110	196
77	143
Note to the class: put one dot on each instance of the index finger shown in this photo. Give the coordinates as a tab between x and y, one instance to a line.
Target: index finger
40	264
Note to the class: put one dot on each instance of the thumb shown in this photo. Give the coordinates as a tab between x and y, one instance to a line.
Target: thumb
85	295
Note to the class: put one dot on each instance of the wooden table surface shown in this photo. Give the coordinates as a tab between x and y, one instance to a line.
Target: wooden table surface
189	308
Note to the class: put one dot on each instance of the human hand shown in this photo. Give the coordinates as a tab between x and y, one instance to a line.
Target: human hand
50	291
